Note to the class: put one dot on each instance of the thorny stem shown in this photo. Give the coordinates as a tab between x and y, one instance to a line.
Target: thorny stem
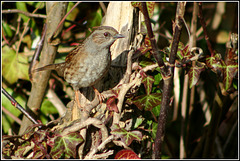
200	15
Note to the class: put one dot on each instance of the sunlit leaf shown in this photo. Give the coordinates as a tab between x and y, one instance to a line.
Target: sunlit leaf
150	7
65	146
39	5
48	108
126	154
72	16
126	136
14	66
23	7
138	122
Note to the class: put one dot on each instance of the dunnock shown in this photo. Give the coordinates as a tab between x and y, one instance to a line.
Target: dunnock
89	61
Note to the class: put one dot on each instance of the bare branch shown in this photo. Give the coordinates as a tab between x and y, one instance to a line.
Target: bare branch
23	12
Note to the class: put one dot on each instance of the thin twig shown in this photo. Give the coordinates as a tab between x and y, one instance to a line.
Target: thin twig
23	12
103	155
17	31
90	121
103	7
126	87
24	31
202	21
101	146
53	98
18	106
37	51
53	35
5	39
11	115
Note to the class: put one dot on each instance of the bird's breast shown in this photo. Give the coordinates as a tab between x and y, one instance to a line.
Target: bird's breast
88	71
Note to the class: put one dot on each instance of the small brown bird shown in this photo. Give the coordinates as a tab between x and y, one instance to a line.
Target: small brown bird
89	61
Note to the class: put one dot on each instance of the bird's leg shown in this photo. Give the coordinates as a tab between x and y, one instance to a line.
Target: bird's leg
98	94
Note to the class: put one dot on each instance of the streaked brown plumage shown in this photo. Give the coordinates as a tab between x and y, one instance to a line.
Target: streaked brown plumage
89	61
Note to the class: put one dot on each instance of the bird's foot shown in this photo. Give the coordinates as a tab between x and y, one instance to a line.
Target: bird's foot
99	95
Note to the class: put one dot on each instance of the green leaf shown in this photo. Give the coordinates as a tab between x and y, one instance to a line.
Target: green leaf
72	16
39	5
156	110
228	70
96	18
147	82
157	78
154	130
21	149
150	7
65	146
147	102
215	63
22	6
126	136
14	66
145	63
194	75
235	85
229	73
48	108
138	122
7	30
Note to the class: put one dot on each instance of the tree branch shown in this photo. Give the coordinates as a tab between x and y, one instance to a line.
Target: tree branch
23	12
156	54
55	12
168	83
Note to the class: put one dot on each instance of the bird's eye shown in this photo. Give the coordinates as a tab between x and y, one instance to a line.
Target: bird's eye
106	34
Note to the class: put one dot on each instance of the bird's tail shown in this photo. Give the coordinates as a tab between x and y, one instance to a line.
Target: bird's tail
47	67
58	67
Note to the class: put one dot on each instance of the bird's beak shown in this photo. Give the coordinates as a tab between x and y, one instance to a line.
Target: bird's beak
117	36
